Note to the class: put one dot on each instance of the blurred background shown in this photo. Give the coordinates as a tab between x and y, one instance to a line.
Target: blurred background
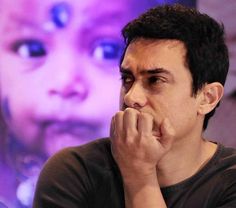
59	80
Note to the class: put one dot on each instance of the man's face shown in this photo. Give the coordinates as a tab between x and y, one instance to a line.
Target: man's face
58	69
156	80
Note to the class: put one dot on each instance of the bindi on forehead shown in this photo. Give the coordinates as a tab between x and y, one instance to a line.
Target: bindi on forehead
60	14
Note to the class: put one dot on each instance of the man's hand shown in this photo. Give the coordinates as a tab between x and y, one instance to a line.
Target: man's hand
136	147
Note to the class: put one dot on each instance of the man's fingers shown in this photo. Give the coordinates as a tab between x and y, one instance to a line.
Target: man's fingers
145	124
124	124
117	125
112	127
130	123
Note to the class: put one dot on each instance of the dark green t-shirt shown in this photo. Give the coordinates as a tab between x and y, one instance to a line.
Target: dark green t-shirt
88	177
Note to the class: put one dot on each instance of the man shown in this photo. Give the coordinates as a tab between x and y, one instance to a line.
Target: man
173	71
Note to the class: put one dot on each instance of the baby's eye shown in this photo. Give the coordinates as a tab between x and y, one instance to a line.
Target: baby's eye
107	50
29	48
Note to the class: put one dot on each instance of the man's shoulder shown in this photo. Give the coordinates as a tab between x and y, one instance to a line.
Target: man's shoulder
227	154
96	146
78	175
222	162
226	162
95	149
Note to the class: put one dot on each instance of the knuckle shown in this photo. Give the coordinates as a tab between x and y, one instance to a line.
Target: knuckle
144	135
130	132
119	114
145	116
142	116
116	142
171	133
129	143
130	111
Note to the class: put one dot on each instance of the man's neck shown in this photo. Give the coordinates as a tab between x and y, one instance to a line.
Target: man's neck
184	160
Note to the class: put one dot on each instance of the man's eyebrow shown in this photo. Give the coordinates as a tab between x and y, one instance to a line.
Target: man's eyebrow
155	71
125	71
146	71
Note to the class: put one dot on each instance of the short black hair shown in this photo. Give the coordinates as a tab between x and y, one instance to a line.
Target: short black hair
206	52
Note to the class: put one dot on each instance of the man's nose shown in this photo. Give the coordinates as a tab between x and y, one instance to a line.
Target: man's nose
135	97
69	77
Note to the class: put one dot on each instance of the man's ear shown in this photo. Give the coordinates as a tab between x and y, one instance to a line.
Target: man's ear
210	96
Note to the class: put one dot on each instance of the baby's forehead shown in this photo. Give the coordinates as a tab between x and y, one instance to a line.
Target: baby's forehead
55	13
23	9
34	8
56	10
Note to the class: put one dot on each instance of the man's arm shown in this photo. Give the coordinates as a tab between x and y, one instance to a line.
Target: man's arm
137	150
143	192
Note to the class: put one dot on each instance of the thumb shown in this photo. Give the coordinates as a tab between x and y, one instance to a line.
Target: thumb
167	134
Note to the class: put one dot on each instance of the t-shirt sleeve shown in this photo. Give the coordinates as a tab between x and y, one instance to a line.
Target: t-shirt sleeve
228	196
64	182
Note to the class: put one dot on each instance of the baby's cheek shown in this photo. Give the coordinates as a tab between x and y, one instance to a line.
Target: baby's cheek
5	108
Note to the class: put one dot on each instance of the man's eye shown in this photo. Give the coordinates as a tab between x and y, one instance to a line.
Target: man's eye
29	48
126	80
155	80
107	50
